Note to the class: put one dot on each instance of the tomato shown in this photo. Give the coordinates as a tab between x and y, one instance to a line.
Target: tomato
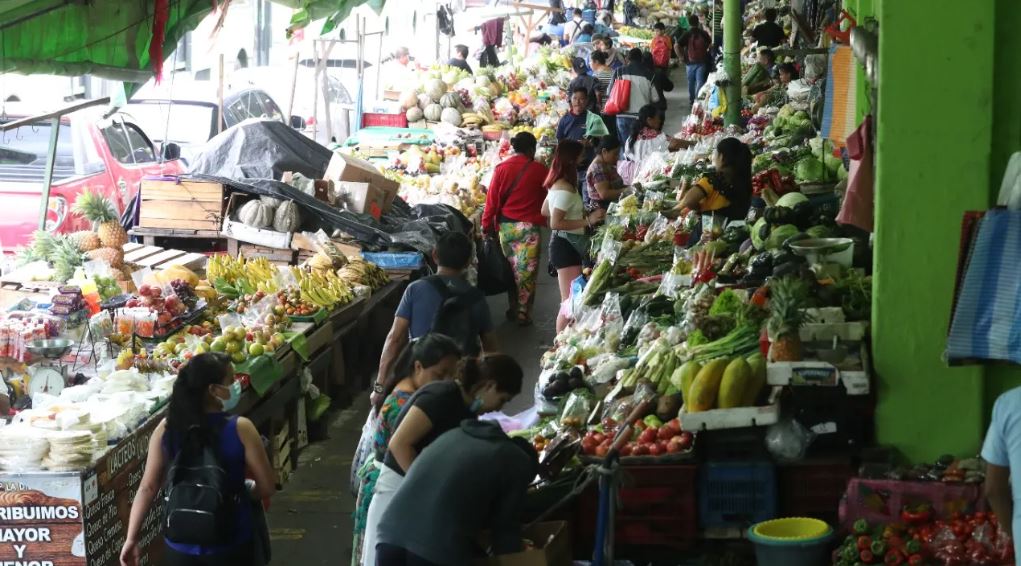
654	450
641	450
665	433
599	437
588	445
648	436
626	450
686	440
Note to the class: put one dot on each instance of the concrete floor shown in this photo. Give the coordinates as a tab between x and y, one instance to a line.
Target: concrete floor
310	519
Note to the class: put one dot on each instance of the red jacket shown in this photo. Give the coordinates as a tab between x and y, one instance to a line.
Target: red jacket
524	204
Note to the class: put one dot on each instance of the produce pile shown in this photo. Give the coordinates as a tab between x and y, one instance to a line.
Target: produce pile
920	539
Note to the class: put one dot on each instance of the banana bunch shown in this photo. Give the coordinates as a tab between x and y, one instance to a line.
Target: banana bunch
324	289
225	267
474	119
361	272
494	127
256	273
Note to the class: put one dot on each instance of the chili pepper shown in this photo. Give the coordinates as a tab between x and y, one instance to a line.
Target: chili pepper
866	557
878	547
893	558
916	560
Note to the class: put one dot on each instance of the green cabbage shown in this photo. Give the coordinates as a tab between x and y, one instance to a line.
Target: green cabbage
809	170
780	234
833	163
760	232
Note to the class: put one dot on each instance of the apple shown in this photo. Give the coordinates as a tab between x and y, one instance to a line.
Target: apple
232	347
201	348
238	357
218	345
269	348
239	334
256	349
278	310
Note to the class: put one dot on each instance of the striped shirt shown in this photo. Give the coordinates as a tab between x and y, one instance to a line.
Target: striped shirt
605	77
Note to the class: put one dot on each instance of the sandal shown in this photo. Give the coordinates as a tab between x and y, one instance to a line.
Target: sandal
524	320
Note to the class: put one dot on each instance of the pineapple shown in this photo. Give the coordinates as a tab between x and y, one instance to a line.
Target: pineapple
787	296
65	258
113	256
86	240
41	248
103	214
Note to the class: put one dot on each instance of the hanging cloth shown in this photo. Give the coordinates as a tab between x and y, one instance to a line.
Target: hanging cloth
858	206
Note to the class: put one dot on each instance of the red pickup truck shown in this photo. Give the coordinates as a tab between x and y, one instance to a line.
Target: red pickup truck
109	155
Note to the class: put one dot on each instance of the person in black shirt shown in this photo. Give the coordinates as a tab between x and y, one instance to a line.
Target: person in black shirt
482	386
769	33
586	81
460	58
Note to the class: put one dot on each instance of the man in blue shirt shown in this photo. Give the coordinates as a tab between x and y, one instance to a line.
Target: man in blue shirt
1002	453
572	126
422	301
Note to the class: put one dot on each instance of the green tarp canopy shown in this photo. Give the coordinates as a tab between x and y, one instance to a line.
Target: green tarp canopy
110	38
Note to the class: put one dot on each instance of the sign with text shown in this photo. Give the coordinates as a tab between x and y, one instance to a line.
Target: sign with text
41	519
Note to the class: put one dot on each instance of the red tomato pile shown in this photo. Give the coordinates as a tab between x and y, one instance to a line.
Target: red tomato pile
972	540
651	441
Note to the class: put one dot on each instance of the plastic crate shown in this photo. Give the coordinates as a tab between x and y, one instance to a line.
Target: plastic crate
375	119
658	508
814	488
740	444
736	494
400	260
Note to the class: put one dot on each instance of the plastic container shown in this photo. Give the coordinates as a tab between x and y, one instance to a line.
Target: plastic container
372	119
794	541
826	250
397	260
736	494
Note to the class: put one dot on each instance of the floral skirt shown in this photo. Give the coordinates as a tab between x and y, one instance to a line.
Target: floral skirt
521	243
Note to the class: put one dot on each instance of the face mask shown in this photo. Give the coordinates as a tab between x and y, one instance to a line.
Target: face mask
235	396
476	406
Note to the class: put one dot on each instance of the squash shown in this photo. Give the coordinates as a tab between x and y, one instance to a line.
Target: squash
435	88
706	387
451	116
409	99
415	114
424	101
433	112
451	100
287	218
270	202
735	384
256	214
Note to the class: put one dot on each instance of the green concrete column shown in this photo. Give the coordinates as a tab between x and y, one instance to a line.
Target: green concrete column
732	58
933	161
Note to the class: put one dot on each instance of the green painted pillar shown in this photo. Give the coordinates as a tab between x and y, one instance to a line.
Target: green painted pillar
732	58
934	133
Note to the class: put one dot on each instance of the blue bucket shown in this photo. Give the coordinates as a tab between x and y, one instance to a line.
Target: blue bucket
791	551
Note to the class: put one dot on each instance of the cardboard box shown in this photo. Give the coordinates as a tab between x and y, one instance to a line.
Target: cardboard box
352	169
553	548
362	197
181	204
245	233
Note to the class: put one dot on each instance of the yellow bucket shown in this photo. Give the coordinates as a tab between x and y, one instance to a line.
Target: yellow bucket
791	529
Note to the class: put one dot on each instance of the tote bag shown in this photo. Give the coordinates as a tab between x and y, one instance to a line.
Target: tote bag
986	317
619	99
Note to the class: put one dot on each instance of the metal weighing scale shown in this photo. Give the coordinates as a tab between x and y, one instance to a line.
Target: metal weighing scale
48	375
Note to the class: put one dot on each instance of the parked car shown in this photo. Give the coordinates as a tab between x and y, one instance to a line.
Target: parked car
184	112
108	155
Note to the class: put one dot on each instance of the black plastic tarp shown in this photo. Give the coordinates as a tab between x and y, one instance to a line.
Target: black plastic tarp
261	149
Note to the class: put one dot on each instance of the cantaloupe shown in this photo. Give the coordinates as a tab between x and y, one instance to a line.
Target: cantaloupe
706	387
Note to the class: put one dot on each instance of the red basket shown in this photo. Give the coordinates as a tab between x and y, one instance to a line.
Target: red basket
372	119
658	508
814	488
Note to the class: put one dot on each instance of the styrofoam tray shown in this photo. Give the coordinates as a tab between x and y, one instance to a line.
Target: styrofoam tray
818	373
266	238
827	331
719	419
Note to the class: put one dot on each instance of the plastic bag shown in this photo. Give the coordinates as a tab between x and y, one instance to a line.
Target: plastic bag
363	451
576	409
788	440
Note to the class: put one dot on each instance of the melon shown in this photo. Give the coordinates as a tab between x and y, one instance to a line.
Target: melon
451	116
450	100
286	218
256	214
270	202
414	114
433	112
424	101
409	99
482	80
435	88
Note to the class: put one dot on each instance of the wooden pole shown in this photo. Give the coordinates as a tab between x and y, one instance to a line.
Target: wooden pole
219	98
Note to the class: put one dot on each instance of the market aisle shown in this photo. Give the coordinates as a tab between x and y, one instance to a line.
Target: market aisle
310	519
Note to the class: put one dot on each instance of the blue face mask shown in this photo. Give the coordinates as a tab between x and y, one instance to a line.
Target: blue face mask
235	395
476	406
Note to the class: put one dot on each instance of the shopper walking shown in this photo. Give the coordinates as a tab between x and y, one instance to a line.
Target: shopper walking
586	81
513	211
694	49
199	432
662	48
574	126
769	33
569	244
604	183
572	29
474	477
492	39
433	357
604	44
422	310
1002	453
481	386
603	74
642	91
727	191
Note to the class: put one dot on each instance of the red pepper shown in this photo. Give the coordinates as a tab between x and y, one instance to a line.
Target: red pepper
916	516
916	560
893	558
866	557
864	542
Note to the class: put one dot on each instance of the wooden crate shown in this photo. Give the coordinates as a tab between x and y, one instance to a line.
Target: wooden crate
181	204
279	256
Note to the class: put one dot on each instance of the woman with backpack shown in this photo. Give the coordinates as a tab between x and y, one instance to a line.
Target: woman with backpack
198	433
432	357
482	385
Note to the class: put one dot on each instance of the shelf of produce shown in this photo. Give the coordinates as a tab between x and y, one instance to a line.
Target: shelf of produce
348	313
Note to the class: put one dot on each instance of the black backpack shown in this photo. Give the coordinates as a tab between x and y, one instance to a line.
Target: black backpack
455	317
201	505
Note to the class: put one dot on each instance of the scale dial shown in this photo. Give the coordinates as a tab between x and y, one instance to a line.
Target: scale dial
46	380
